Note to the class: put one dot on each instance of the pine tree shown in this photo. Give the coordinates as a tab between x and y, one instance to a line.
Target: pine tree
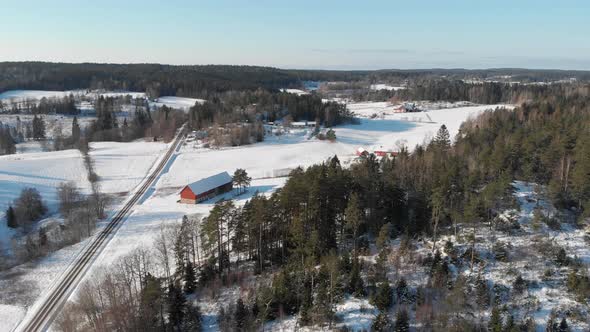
353	219
402	321
190	279
11	220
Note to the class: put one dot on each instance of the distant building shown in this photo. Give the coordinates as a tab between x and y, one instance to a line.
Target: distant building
206	188
406	107
362	152
385	153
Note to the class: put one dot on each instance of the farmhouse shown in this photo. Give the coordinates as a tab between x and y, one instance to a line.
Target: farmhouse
206	188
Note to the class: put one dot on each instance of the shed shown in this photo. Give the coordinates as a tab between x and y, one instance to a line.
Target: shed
206	188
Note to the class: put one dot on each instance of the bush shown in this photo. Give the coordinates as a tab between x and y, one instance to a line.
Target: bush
29	207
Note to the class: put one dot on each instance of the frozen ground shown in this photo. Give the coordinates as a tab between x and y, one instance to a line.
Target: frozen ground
298	92
386	87
122	166
42	171
176	102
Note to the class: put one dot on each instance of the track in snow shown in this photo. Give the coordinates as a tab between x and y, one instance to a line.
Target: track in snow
54	301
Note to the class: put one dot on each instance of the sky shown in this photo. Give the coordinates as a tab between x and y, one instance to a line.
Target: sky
320	34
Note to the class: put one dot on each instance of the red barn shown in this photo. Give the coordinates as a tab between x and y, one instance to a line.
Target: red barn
206	188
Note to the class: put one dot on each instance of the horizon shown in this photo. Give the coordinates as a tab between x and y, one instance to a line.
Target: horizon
296	69
329	35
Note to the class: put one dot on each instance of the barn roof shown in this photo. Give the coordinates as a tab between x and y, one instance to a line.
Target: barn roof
209	183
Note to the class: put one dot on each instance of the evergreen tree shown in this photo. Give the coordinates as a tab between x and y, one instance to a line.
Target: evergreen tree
510	326
38	128
384	236
443	138
11	220
240	316
384	296
331	135
190	279
176	306
381	323
495	323
354	219
75	131
241	179
402	292
192	319
151	304
355	284
402	321
563	327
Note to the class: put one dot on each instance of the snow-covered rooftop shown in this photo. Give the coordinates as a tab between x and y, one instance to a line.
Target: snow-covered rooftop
210	183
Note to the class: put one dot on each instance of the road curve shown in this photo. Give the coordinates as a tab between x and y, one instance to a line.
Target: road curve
52	303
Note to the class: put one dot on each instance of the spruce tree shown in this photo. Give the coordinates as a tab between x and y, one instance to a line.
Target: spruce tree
190	279
384	296
176	305
443	138
495	324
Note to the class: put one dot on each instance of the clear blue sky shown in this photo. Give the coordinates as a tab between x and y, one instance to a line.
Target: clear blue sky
301	33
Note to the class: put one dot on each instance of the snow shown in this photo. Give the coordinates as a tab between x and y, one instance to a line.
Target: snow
210	183
123	166
22	95
356	314
9	316
382	86
42	171
176	102
295	91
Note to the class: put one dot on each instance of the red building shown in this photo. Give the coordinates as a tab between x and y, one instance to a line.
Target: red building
206	188
385	153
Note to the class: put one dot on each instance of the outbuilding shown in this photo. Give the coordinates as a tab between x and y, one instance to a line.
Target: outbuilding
206	188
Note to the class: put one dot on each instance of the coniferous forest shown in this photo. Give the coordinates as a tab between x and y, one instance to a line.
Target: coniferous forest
302	250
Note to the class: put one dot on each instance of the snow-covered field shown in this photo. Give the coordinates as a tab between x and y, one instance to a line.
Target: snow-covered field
19	96
298	92
176	102
22	95
122	166
386	87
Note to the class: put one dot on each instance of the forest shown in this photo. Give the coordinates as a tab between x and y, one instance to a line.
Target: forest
204	81
301	249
